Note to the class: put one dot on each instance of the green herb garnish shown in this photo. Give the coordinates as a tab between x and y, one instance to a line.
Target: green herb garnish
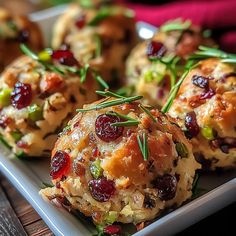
99	79
176	25
126	91
4	142
206	52
98	42
109	94
143	145
47	185
114	102
130	121
147	112
83	73
174	90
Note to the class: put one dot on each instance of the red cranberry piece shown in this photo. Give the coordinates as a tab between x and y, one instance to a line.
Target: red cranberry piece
60	164
112	229
80	22
200	81
105	131
156	49
5	121
23	36
101	189
21	96
191	124
65	57
22	144
166	186
207	94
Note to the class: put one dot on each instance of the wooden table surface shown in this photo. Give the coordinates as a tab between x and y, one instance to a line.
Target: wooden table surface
18	218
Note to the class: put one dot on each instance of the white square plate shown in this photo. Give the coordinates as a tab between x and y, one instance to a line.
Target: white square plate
28	176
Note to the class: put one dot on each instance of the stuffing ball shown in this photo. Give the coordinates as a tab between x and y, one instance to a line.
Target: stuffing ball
206	109
36	103
13	31
153	79
114	171
102	37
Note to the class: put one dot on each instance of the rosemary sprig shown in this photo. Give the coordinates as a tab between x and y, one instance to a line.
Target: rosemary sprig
143	145
109	94
114	102
171	64
177	24
206	52
63	69
147	112
98	42
99	79
174	90
129	121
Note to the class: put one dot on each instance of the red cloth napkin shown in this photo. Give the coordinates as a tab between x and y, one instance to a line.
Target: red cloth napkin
218	15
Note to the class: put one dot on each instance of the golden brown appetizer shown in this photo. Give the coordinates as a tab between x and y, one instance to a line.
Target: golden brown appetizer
155	65
38	96
102	37
13	31
118	161
205	107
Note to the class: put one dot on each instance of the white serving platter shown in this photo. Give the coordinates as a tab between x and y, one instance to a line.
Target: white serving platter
28	176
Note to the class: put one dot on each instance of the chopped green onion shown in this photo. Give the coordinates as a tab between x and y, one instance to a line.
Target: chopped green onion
181	150
143	145
208	133
5	97
96	169
16	135
35	112
111	217
45	55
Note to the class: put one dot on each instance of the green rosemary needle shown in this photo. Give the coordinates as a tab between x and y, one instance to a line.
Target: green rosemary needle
109	94
129	121
143	145
176	25
147	112
114	102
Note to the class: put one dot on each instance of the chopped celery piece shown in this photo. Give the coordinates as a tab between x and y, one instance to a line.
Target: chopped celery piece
5	97
96	169
35	112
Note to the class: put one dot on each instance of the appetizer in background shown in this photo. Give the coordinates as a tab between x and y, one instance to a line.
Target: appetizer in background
205	107
38	95
101	36
13	31
118	161
154	65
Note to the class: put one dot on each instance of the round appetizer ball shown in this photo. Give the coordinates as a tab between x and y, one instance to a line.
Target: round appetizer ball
144	67
121	164
36	102
13	31
205	107
102	37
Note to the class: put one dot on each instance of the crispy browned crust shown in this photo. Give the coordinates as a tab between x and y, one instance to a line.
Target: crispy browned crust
218	112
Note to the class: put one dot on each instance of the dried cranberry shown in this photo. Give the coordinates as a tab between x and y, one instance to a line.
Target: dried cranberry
200	81
5	121
104	129
21	96
23	36
80	22
65	57
101	189
191	124
22	144
207	94
166	186
155	49
112	229
60	164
